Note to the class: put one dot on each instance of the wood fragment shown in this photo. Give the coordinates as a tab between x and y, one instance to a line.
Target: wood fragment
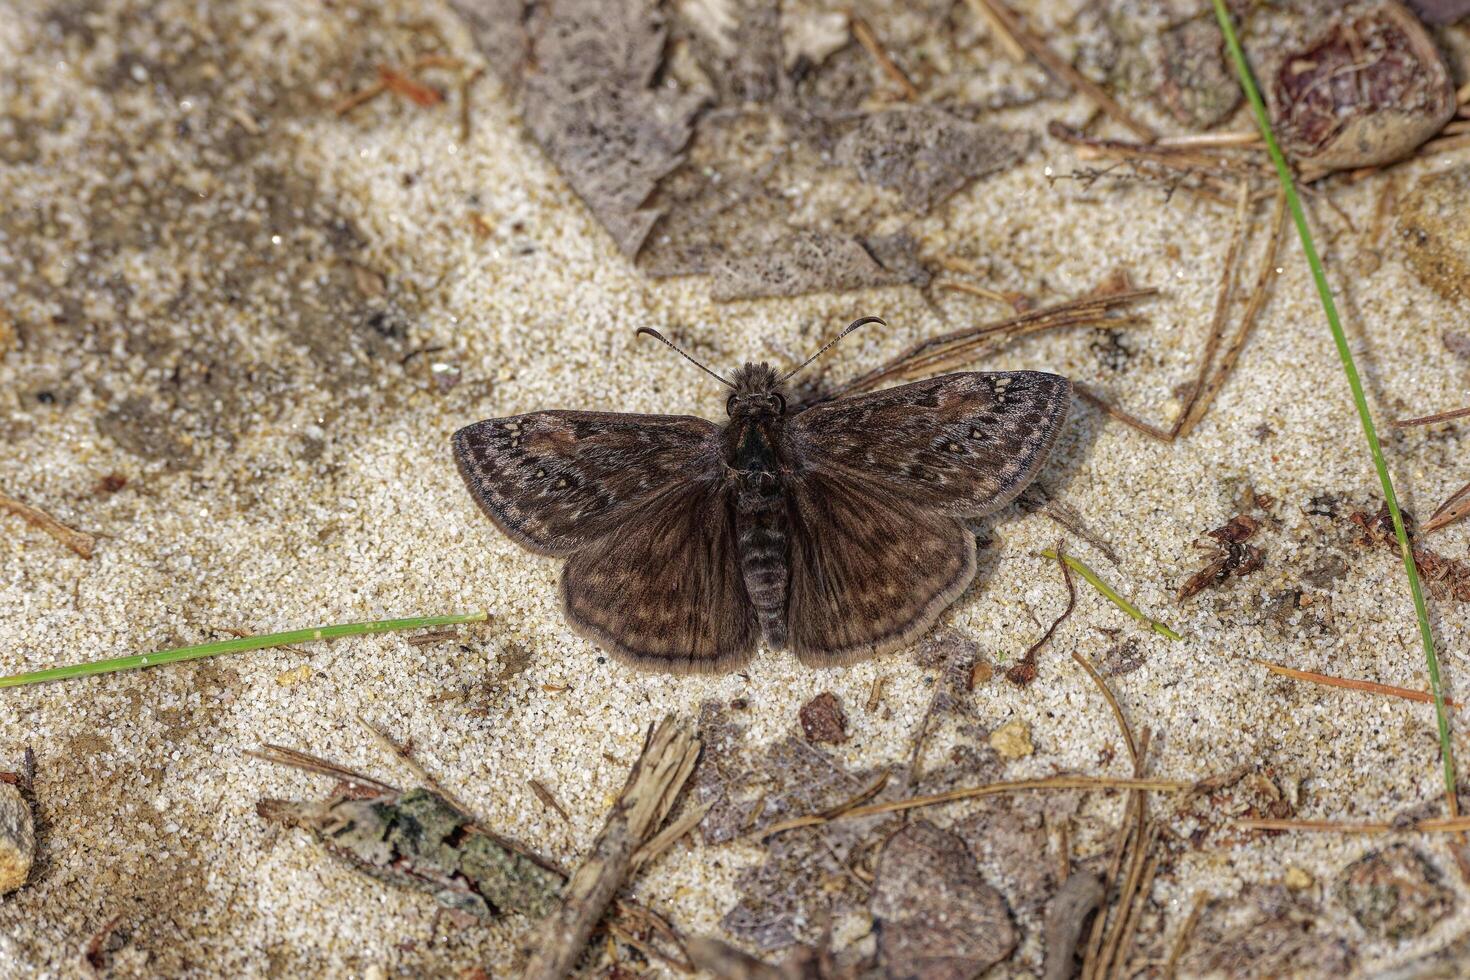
1352	684
1186	932
875	693
668	757
432	637
80	542
416	92
280	755
1244	138
544	795
362	96
1063	70
975	792
670	835
1112	701
1141	893
865	36
1433	825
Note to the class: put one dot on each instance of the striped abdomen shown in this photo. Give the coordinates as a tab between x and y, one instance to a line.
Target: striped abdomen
760	523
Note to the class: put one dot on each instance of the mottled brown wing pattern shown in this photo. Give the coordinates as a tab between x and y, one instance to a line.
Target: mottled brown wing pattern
963	444
666	592
556	481
869	573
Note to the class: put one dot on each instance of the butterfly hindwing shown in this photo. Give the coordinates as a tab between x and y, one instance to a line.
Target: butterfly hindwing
665	592
963	444
556	481
869	573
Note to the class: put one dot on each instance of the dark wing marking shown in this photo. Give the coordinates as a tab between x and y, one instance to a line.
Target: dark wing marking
963	444
556	481
869	573
665	592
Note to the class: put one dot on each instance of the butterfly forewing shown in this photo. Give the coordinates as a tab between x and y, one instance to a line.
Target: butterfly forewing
665	592
963	444
556	481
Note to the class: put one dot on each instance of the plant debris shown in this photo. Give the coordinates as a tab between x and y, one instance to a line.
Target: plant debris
1394	893
1365	90
420	840
1267	931
1234	558
822	719
79	541
935	915
1432	226
1447	578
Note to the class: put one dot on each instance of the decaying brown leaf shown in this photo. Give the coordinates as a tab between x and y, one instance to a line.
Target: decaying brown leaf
587	94
935	916
1233	559
1447	578
822	719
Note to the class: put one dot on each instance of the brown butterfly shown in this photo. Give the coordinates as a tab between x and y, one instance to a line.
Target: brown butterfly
836	530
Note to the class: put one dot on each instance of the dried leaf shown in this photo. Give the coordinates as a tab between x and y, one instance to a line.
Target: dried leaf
822	719
935	916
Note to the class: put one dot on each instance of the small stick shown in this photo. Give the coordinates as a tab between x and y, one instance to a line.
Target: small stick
1127	418
1185	158
465	86
999	31
1457	413
280	755
1433	825
1450	511
973	290
1063	70
80	542
975	792
669	755
544	795
360	97
670	835
1025	669
1223	296
869	41
416	92
1112	596
1186	932
1257	302
398	752
1351	684
1141	892
1112	703
1066	515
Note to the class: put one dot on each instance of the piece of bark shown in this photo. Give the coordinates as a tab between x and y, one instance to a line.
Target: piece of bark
668	758
1067	913
823	720
17	838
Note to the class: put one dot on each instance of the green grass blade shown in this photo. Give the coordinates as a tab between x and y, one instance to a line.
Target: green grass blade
237	645
1288	186
1111	595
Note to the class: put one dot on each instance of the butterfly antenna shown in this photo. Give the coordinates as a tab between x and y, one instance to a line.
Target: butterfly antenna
847	330
675	348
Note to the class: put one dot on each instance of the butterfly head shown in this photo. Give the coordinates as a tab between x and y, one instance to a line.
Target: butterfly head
758	391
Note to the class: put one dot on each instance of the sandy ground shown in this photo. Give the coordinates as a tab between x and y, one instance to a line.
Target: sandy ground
216	295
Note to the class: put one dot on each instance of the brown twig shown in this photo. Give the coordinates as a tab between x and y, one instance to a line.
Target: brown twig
957	345
870	43
1257	302
1351	684
1112	701
1186	932
79	541
1245	139
668	757
1066	515
544	795
1063	70
1456	507
1193	159
280	755
1127	418
975	792
1224	294
1457	413
999	31
1433	825
1024	671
